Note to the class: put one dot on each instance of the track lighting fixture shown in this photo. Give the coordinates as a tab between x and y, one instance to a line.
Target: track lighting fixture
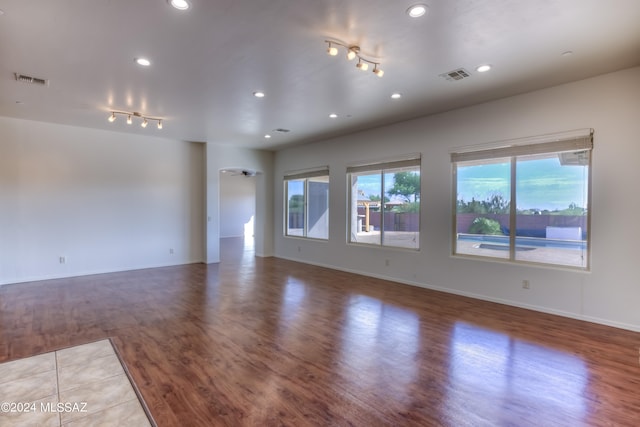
332	50
145	119
353	52
362	65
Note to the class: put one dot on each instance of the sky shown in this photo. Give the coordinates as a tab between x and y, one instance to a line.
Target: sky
541	183
370	185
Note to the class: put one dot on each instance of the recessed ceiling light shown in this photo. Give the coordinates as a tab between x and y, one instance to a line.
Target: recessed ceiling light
333	115
143	62
258	94
396	96
267	136
417	10
180	4
483	68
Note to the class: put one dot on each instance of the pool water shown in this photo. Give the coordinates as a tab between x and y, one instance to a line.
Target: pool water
497	242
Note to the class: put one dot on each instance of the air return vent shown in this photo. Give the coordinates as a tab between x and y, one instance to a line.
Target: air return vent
32	80
454	75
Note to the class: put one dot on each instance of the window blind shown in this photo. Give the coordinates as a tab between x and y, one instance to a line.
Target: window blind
547	144
394	164
309	173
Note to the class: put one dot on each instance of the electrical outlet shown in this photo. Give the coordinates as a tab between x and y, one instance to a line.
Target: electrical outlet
170	251
63	259
387	262
299	249
526	284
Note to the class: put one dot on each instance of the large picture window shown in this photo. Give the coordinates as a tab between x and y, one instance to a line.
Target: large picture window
385	203
526	201
307	204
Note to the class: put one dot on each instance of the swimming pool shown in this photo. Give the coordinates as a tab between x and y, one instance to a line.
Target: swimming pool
522	243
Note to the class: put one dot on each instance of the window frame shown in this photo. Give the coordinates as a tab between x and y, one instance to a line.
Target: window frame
304	176
413	161
513	150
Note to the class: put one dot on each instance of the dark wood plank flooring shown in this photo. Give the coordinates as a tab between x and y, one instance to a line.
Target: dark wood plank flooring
270	342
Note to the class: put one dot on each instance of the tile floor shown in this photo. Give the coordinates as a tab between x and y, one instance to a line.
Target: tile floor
78	386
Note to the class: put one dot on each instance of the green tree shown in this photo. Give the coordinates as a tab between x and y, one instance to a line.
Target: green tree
407	185
495	204
498	204
412	207
296	203
485	226
474	206
573	210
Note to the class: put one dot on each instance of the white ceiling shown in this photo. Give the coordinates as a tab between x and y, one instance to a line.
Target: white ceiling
209	60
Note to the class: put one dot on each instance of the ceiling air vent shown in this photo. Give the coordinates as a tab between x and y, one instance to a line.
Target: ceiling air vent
454	75
32	80
281	130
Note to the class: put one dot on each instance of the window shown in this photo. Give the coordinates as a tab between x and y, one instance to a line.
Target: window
307	204
385	204
526	202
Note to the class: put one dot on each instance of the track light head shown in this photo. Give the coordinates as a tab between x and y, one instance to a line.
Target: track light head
160	124
112	117
129	121
332	50
363	66
353	52
377	71
144	123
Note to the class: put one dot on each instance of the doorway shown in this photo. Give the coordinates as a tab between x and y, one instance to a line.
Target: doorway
237	214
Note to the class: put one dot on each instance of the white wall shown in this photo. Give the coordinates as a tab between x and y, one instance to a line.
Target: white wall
608	294
237	203
228	157
106	201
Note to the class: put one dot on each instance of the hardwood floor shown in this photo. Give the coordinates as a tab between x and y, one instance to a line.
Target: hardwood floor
270	342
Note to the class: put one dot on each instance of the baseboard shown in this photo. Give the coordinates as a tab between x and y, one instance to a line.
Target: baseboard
91	273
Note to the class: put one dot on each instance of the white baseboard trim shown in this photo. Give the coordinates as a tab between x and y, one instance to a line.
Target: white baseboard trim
91	273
